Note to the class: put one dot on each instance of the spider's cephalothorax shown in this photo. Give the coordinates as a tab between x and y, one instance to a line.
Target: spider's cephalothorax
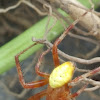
61	74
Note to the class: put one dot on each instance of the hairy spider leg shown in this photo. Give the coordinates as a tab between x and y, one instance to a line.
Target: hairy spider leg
34	84
39	95
57	42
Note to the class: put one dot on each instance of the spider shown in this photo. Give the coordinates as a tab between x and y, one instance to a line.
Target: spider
58	88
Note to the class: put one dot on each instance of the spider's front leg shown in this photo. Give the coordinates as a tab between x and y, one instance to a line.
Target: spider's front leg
34	84
57	42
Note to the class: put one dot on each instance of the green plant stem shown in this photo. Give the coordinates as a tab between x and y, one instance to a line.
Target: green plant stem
87	3
9	50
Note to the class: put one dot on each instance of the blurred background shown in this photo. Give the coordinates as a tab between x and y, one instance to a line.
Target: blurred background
12	24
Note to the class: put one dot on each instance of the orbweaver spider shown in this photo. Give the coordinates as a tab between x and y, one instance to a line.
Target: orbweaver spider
58	88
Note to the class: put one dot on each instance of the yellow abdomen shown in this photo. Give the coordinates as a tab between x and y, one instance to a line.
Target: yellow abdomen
61	74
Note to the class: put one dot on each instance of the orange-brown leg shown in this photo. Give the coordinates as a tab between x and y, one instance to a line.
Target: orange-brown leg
38	65
31	84
78	92
34	84
92	72
38	95
57	42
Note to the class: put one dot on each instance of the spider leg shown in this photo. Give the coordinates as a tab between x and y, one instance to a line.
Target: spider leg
78	92
39	62
34	84
38	95
57	42
92	72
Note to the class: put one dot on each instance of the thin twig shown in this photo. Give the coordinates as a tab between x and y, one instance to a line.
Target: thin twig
35	8
72	58
96	83
81	70
92	89
11	7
